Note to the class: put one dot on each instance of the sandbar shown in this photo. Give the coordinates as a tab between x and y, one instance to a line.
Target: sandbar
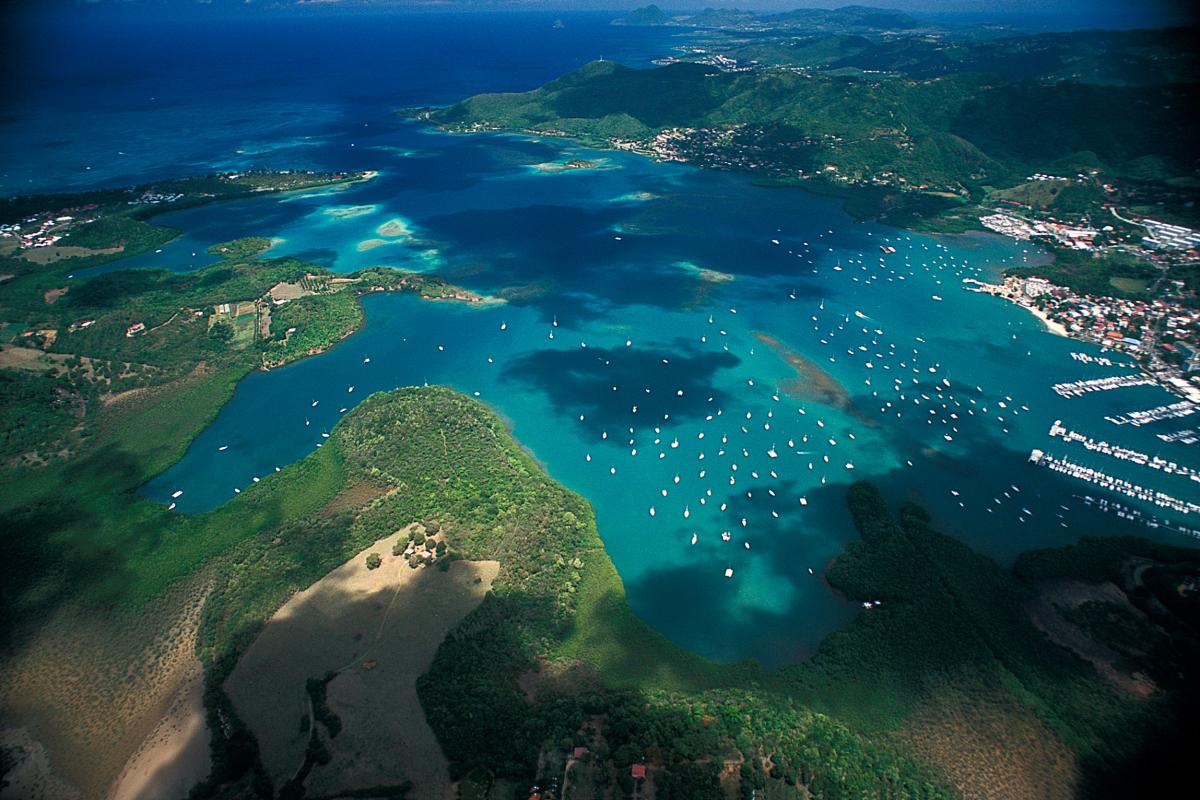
395	228
348	212
811	382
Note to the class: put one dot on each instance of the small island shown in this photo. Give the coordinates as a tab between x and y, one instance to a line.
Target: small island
558	167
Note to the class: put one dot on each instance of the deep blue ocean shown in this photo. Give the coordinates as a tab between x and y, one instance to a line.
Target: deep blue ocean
628	362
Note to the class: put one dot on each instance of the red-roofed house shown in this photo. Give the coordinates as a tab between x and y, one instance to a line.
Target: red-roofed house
638	771
579	753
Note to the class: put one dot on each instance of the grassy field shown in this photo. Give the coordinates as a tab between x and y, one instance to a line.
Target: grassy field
369	633
1130	286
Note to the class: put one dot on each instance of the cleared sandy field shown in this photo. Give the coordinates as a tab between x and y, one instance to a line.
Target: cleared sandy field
175	756
379	629
991	747
90	687
31	776
48	255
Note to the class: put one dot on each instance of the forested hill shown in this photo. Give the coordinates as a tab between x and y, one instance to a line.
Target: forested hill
1127	58
956	132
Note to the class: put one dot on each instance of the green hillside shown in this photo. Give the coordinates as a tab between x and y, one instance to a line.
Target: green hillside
957	133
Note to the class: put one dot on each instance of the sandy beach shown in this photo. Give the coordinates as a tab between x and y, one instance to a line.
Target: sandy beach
1054	327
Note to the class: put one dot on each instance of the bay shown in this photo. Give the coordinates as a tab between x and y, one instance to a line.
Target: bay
696	355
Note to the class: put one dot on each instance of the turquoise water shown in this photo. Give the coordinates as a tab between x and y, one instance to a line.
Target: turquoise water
613	375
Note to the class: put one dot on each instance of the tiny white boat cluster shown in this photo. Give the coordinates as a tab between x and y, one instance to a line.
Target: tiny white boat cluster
1183	408
1077	388
1119	485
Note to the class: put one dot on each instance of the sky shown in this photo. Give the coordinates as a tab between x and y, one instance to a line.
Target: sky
1062	13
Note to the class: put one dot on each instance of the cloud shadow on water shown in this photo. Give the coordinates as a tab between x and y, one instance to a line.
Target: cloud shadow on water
581	381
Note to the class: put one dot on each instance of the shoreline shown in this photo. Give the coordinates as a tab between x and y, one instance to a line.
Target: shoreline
1001	291
843	194
457	295
1053	327
1057	329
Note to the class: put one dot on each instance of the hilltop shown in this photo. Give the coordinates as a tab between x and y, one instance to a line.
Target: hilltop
956	134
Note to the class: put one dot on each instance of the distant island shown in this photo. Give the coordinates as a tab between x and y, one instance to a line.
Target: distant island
857	19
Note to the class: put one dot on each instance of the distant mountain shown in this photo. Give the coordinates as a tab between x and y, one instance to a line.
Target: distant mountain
647	15
952	132
1141	57
845	19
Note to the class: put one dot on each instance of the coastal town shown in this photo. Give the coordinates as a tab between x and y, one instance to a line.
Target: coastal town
1161	335
1158	325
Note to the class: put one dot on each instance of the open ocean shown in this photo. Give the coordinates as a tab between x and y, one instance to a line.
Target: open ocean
630	368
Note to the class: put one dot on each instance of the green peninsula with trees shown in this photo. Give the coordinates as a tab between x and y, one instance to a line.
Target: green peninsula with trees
74	340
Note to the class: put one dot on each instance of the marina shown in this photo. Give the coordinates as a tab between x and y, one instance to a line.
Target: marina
1132	514
1100	361
1184	408
1124	454
1185	436
1077	388
1161	499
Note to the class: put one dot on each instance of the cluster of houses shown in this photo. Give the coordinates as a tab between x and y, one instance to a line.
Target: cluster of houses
40	230
1163	241
1164	236
698	55
1164	333
152	198
738	148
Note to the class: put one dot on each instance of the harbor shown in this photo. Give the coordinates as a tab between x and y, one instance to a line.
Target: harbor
1100	361
1183	408
1124	453
1077	388
1084	473
1185	436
